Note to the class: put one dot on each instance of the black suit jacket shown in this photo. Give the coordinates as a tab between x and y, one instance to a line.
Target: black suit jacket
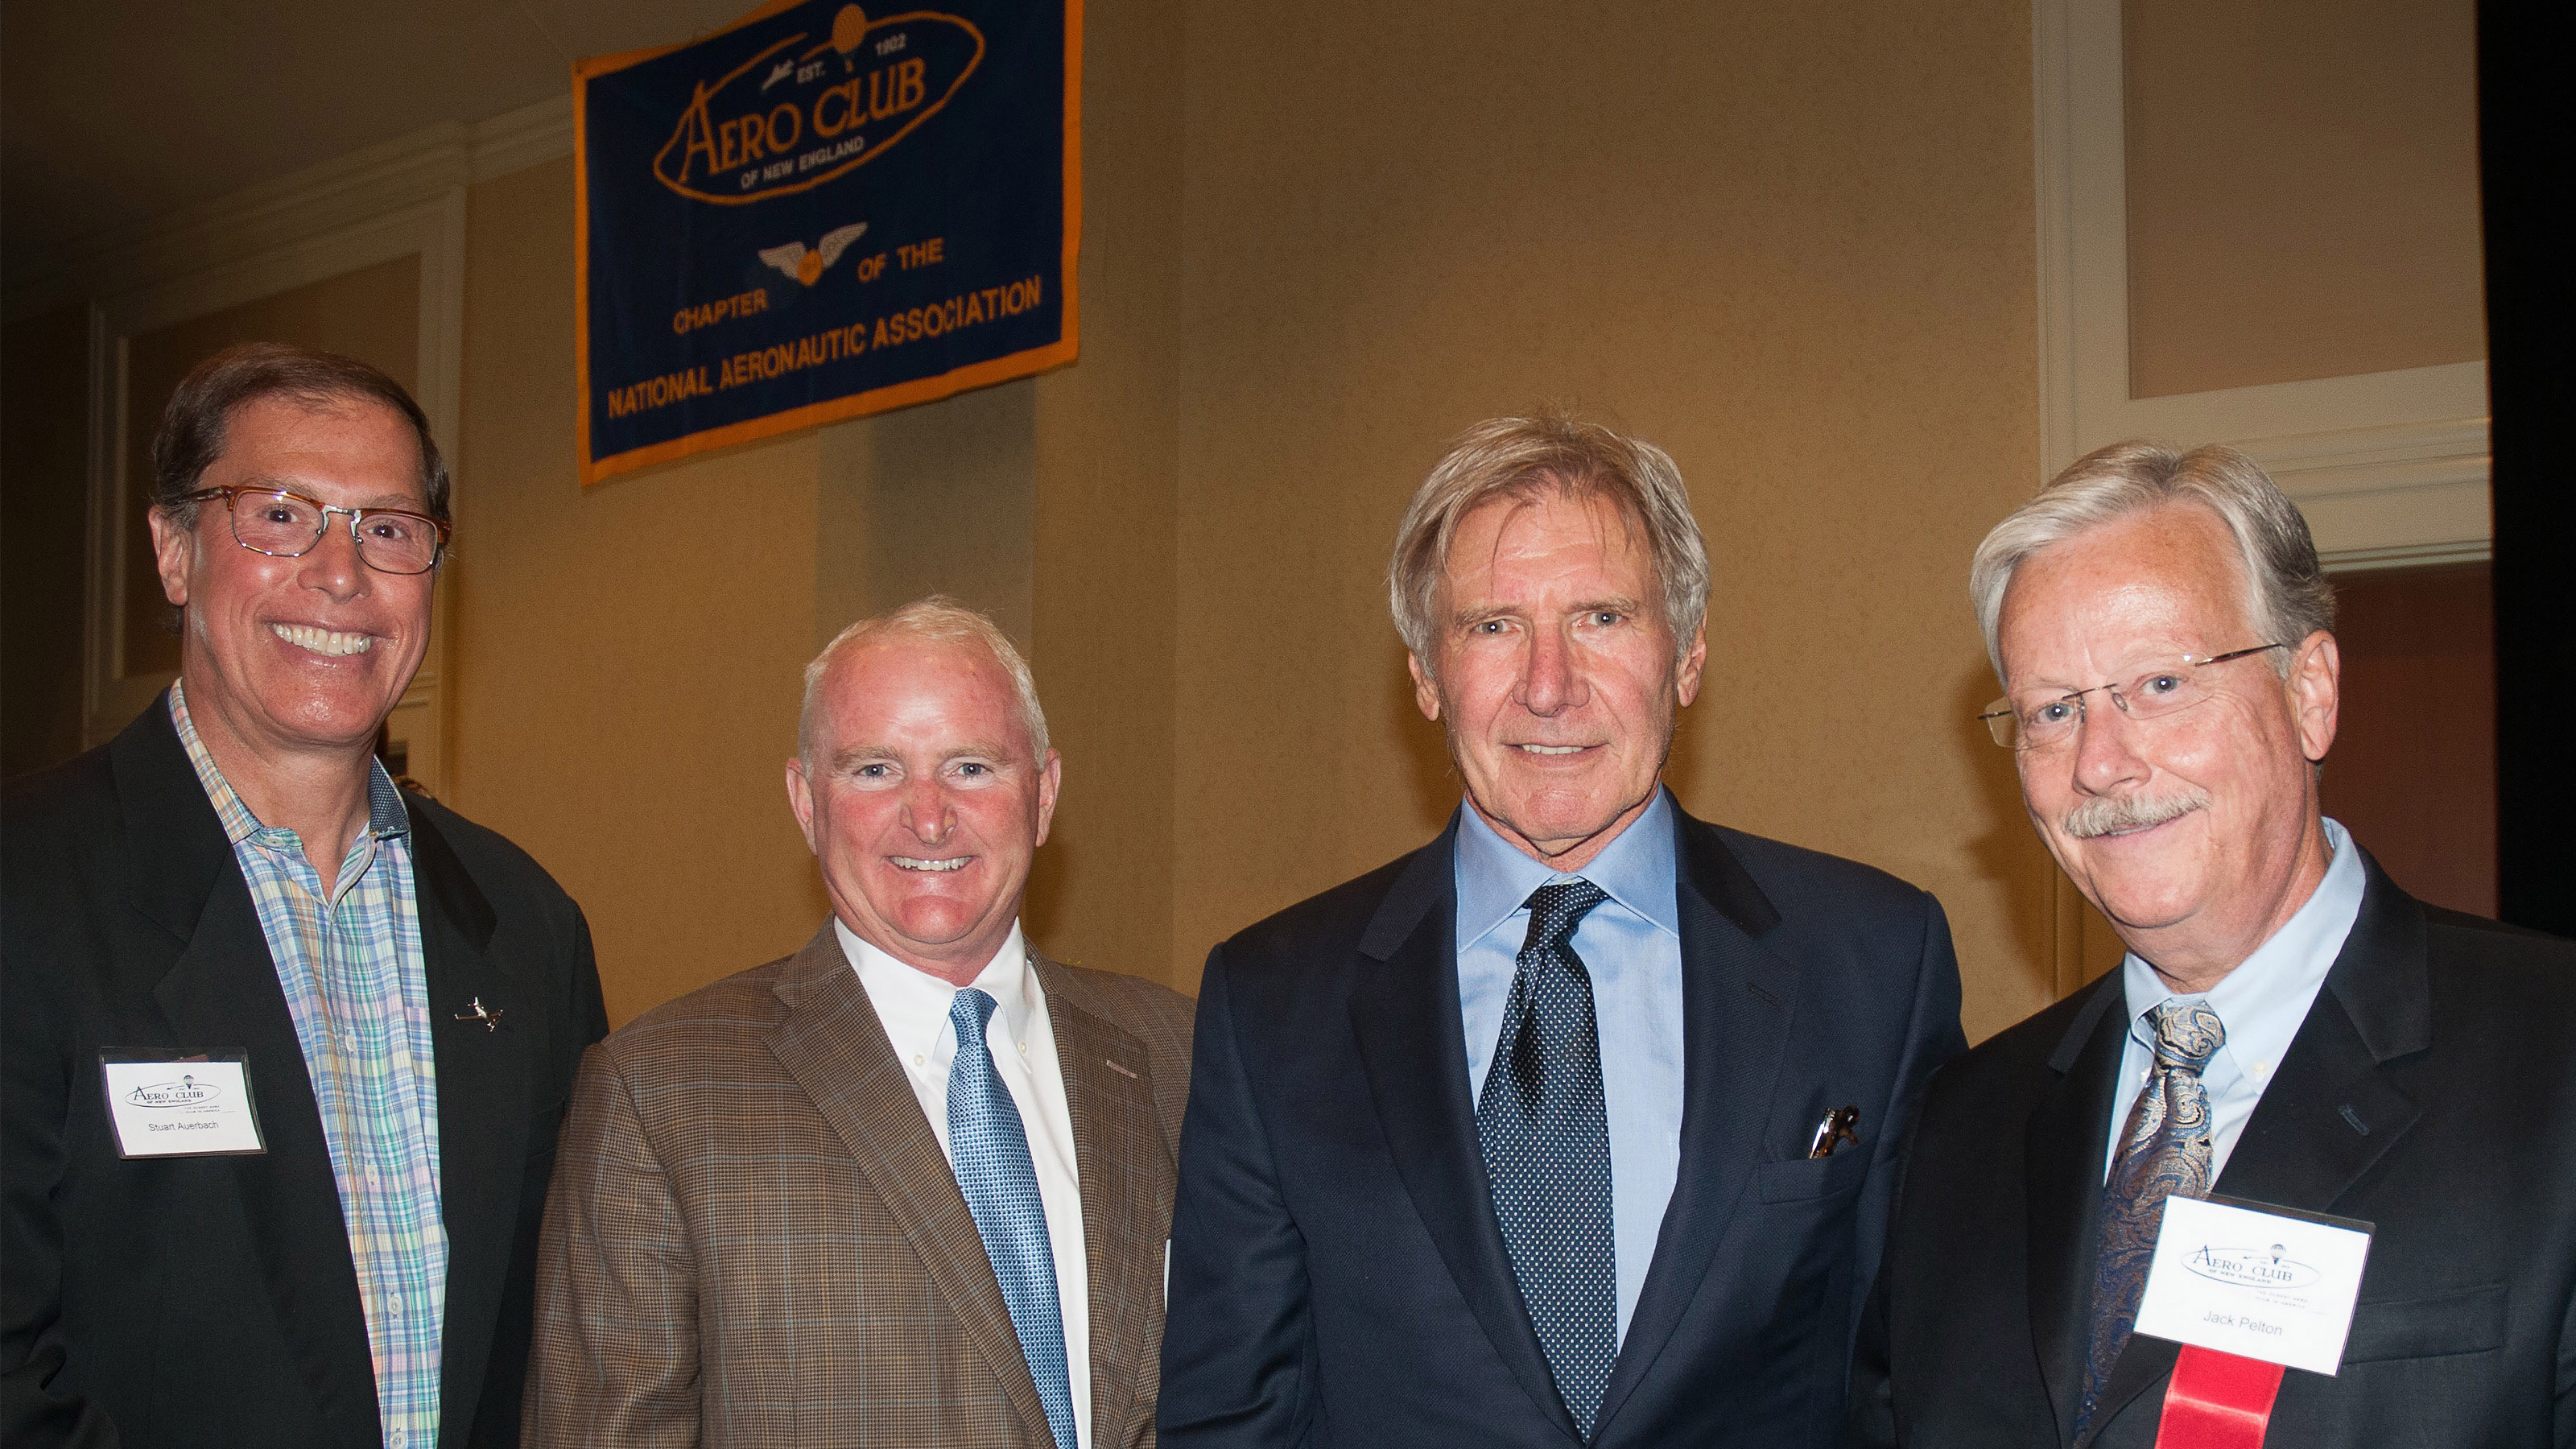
212	1300
2430	1091
1337	1274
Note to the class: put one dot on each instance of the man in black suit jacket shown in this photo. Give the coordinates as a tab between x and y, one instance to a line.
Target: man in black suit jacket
1629	1205
2381	1060
218	1300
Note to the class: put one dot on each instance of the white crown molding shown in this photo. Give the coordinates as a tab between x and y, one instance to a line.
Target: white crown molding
257	221
2389	467
516	140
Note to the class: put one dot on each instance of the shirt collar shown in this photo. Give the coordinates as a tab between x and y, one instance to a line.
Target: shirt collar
2263	1000
914	1005
1636	869
387	816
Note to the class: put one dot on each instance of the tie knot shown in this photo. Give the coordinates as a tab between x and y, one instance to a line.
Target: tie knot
1557	908
2188	1034
972	1011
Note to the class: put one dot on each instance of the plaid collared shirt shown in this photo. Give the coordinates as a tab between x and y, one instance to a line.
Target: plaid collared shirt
351	965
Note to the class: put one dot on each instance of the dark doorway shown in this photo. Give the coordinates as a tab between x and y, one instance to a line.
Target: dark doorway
2412	773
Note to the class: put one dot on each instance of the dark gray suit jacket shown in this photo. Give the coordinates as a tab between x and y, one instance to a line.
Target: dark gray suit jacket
2431	1091
212	1300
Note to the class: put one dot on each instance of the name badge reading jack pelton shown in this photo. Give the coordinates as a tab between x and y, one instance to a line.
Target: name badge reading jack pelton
2256	1281
180	1107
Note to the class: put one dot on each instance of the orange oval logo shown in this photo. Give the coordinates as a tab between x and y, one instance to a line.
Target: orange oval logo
807	110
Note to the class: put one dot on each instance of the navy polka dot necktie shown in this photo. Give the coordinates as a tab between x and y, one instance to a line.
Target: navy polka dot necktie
988	1147
1546	1141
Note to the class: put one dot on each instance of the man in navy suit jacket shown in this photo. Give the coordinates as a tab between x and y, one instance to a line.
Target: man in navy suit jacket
1576	1125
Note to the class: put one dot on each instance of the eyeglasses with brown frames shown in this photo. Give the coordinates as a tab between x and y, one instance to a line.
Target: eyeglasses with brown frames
285	524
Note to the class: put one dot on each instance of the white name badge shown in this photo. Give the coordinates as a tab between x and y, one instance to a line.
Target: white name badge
2255	1282
196	1108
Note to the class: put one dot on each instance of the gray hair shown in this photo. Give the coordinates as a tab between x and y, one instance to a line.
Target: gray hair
940	619
1522	459
2287	596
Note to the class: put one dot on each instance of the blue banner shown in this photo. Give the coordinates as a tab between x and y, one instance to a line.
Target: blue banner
820	212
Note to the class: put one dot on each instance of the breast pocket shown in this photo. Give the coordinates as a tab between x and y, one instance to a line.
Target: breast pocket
1802	1179
2435	1325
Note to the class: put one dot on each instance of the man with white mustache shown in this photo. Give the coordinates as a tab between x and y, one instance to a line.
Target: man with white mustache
374	1006
911	1184
2289	1029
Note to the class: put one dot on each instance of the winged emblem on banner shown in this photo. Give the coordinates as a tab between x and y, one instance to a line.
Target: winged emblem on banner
807	266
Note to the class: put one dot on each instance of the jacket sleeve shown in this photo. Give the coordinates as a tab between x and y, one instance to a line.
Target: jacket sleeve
1238	1337
35	1101
1932	1040
1871	1404
615	1359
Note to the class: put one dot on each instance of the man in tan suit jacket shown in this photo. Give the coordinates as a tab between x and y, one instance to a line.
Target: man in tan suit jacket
809	1204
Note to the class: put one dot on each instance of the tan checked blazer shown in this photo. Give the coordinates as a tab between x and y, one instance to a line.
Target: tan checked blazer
754	1239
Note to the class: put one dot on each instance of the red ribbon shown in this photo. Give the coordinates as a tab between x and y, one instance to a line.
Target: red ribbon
2217	1401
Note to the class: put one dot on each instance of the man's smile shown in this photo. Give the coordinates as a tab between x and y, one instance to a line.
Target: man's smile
334	643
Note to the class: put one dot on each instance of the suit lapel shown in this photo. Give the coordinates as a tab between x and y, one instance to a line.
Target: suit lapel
2329	1113
1737	998
1126	1213
483	1089
833	1045
221	994
1404	1014
2063	1149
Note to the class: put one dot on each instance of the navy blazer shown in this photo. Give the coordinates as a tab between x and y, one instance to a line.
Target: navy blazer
1337	1275
212	1300
2428	1092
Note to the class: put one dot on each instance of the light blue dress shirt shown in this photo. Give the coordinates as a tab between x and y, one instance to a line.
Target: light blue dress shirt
1631	945
2261	1003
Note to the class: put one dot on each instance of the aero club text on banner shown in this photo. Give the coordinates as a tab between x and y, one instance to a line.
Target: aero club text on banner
820	212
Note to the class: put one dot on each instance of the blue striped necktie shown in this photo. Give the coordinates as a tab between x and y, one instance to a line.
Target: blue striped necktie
1546	1141
988	1148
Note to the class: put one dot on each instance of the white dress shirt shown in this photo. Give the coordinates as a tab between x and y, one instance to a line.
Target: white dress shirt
2261	1003
914	1005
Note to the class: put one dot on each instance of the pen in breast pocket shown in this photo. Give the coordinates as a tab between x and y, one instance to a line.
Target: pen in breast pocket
1836	1128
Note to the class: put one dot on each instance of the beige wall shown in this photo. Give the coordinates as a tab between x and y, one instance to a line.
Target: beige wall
626	658
2302	190
1793	247
1792	244
627	680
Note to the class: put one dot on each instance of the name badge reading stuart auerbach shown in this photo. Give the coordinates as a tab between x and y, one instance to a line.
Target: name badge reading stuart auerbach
199	1108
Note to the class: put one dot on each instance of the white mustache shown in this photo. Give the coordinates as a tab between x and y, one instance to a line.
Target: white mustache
2104	814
